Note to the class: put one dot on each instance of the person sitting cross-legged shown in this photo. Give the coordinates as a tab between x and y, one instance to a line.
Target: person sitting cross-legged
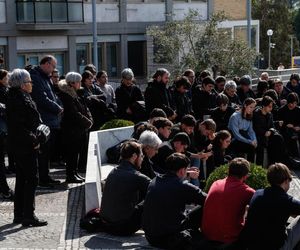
164	220
225	205
124	191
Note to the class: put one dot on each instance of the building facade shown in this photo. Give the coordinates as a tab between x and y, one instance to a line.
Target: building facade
29	29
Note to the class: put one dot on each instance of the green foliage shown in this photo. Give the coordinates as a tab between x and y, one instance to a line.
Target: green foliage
257	177
192	43
116	123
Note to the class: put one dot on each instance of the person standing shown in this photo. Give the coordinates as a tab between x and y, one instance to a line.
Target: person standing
23	120
50	109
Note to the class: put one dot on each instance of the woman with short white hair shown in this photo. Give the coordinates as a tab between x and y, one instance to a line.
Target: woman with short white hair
23	120
150	143
230	89
75	124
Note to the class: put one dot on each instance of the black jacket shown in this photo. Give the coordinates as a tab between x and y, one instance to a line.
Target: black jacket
165	203
267	217
126	97
183	105
77	118
203	102
158	96
243	96
221	118
261	124
125	187
22	120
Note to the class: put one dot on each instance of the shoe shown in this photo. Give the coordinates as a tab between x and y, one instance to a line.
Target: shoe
18	220
52	181
79	177
34	222
9	195
73	179
45	185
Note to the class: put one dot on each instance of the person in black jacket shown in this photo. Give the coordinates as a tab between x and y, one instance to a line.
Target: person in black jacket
157	95
127	96
150	143
222	112
244	89
230	91
125	189
269	211
76	122
220	144
23	120
164	220
203	99
282	91
181	100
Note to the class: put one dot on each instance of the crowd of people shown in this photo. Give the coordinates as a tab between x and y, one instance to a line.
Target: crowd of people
182	132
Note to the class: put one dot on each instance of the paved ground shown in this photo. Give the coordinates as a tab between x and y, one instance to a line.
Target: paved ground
62	208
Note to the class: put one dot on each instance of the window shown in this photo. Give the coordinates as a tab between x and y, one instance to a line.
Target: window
137	57
2	57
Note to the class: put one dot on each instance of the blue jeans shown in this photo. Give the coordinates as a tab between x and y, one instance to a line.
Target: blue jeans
195	162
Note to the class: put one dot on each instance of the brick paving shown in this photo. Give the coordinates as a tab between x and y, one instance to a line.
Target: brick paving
62	207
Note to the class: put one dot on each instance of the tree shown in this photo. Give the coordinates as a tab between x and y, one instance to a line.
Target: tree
278	16
192	43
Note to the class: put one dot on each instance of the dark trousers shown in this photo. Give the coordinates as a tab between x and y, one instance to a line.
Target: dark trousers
239	148
3	183
126	227
188	238
26	182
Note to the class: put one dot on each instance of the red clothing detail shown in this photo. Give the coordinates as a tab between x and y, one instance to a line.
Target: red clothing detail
224	208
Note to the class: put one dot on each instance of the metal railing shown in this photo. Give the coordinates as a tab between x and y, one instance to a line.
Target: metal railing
51	11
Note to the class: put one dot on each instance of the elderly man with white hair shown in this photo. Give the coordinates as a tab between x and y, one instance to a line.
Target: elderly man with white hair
150	143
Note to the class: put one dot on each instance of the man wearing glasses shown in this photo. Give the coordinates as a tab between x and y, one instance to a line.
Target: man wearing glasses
50	109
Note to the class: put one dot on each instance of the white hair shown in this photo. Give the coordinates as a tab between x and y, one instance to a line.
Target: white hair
127	73
18	77
230	85
150	138
72	77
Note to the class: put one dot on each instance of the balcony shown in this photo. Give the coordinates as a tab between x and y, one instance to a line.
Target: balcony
49	14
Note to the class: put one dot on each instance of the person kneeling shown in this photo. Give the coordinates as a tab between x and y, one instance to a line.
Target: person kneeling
124	191
163	219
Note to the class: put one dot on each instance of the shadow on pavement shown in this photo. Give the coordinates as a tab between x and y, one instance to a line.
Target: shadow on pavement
9	229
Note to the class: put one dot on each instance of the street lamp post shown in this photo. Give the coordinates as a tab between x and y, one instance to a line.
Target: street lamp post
269	33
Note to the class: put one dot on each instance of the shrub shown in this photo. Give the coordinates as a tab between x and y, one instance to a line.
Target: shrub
116	123
257	177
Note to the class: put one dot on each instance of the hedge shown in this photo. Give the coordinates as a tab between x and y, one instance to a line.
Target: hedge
116	123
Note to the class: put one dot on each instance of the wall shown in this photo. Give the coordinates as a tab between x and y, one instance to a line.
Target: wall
181	9
104	13
2	12
146	12
235	9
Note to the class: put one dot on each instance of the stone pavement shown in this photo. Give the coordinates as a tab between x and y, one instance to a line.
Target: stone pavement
62	207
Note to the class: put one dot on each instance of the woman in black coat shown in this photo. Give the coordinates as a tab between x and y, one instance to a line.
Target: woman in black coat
23	120
76	122
220	144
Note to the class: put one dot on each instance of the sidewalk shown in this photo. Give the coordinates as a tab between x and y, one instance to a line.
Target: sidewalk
62	207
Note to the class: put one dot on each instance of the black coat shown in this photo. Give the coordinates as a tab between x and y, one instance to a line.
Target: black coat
221	118
203	102
158	96
261	124
182	103
126	97
77	118
22	120
243	96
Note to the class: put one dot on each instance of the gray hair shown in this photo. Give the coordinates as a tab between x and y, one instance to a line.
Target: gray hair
230	85
18	77
127	73
150	138
72	77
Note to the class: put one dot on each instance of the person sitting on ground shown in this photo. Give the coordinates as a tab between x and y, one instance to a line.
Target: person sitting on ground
203	99
269	211
262	87
244	89
220	84
150	143
181	100
124	191
230	91
240	125
222	112
164	220
163	126
226	202
220	144
156	113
